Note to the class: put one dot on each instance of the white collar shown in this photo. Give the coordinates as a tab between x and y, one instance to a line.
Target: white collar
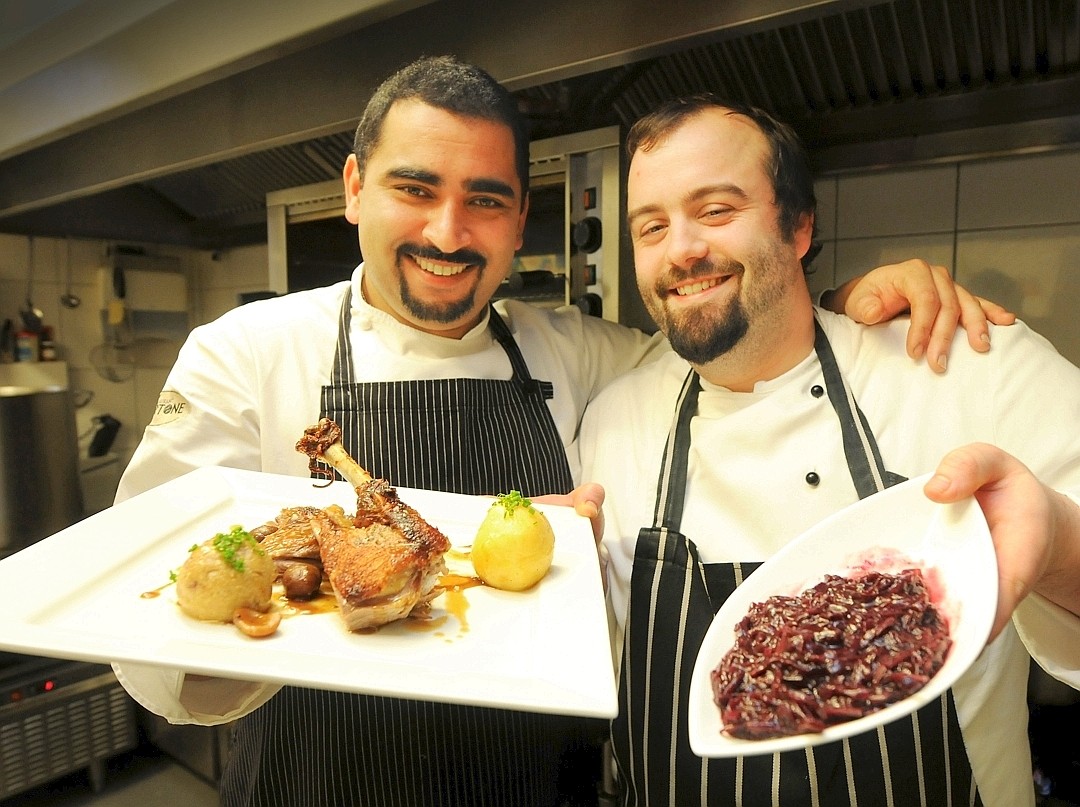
717	401
403	338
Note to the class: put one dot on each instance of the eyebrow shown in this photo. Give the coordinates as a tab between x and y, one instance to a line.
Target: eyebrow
692	196
495	187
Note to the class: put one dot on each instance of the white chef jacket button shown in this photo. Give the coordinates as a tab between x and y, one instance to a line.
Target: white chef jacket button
812	479
362	321
817	390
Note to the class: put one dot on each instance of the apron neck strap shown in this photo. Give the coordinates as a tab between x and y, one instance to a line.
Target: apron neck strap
860	448
670	488
522	377
341	371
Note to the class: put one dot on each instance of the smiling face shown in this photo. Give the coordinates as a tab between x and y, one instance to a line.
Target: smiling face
439	215
713	268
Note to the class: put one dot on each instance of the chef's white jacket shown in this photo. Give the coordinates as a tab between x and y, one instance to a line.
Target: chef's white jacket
747	493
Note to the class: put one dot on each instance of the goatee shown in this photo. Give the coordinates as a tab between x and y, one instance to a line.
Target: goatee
701	340
440	312
704	334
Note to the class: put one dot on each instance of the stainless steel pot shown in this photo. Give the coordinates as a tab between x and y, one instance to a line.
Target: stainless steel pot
39	463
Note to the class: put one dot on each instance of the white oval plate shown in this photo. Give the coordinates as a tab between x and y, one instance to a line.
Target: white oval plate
889	531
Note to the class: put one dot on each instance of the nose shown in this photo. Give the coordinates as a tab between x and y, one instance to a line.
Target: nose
685	243
447	227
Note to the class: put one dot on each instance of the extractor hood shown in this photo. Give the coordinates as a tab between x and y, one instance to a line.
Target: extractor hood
866	83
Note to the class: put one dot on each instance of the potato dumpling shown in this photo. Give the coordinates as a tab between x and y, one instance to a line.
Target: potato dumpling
514	545
226	572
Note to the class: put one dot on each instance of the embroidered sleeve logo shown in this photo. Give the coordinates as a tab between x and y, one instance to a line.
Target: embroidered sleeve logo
171	406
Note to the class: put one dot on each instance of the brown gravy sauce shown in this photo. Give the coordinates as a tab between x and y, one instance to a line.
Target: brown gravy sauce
452	587
154	592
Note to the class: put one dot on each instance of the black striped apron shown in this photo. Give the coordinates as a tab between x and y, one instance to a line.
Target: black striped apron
310	748
919	760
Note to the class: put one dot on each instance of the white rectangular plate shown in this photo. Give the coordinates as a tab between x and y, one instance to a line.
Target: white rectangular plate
78	595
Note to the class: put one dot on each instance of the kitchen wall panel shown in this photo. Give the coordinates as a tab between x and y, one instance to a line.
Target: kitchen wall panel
891	203
1033	271
61	265
1024	190
1012	236
855	256
223	276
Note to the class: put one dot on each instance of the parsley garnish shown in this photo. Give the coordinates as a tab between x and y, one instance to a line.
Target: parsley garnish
229	543
512	501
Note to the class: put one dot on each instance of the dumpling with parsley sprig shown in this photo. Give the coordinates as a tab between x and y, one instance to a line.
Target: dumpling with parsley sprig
514	545
224	573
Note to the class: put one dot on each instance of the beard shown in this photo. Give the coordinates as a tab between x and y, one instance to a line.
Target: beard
704	334
700	340
439	312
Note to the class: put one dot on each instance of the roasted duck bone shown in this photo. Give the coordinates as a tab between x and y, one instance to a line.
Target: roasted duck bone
377	501
322	442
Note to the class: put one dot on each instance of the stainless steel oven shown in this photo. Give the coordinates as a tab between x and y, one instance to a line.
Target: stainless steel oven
573	231
58	717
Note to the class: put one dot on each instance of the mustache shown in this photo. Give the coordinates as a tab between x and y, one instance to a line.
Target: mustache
466	256
698	270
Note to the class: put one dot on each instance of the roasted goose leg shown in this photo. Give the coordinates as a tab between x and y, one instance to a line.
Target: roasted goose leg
386	560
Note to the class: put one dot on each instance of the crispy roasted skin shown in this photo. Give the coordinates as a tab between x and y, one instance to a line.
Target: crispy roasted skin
290	535
384	561
378	503
378	572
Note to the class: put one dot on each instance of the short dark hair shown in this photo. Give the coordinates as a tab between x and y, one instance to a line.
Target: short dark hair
455	86
788	162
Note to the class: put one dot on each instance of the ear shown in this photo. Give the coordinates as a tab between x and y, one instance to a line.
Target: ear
804	234
354	183
521	224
